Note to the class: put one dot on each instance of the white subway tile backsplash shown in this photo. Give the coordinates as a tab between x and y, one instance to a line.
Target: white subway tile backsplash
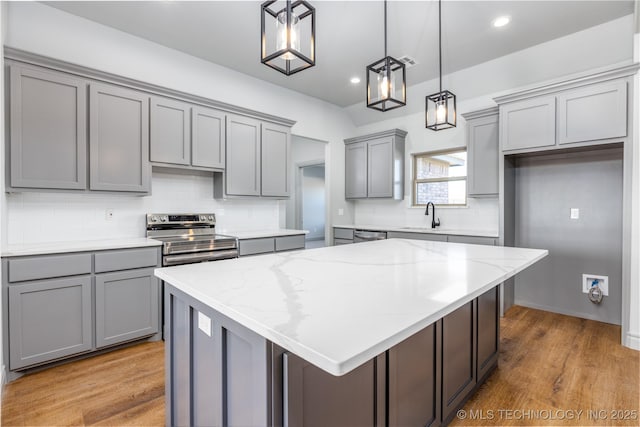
48	217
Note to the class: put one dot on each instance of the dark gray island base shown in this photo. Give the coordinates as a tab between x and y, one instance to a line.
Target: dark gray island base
220	373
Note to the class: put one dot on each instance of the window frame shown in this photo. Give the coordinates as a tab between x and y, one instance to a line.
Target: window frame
415	181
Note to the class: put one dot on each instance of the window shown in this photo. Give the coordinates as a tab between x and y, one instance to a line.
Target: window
440	178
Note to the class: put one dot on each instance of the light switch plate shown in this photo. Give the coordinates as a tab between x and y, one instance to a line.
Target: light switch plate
204	324
575	213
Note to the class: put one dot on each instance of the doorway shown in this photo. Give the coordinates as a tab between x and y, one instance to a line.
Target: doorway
307	207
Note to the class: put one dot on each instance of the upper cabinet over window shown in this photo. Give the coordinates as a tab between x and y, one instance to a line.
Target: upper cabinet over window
374	165
587	111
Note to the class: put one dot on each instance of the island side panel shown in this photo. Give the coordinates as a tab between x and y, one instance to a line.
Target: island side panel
217	370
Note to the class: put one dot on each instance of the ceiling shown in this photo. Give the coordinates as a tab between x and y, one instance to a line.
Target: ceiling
349	34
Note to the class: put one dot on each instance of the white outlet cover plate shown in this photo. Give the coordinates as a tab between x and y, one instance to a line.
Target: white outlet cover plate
575	213
603	283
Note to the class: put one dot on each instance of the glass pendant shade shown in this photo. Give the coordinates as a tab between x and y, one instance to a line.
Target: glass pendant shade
441	110
386	87
288	35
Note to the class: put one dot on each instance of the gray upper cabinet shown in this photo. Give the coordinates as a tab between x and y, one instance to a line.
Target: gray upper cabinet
529	123
48	130
243	156
593	112
276	155
258	158
374	165
356	171
119	139
482	153
170	131
207	138
49	319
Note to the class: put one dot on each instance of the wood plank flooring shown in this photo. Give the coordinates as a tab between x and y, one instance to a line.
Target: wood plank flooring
553	364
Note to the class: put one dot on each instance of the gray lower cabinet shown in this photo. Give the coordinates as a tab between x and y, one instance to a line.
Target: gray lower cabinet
208	138
482	153
473	240
221	373
264	245
416	236
414	370
61	305
126	306
48	130
119	139
49	320
342	236
374	165
459	352
170	131
488	332
314	398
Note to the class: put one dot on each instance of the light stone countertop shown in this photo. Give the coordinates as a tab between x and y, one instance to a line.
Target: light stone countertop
76	246
425	229
338	307
257	234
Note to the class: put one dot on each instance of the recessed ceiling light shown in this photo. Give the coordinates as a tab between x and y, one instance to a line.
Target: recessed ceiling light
501	21
355	80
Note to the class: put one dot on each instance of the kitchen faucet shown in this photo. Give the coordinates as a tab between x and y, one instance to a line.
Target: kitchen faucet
434	223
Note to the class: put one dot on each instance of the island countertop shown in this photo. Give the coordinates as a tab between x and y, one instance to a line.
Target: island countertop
340	306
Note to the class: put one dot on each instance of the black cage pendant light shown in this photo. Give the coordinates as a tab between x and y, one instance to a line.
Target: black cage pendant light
288	42
386	80
441	106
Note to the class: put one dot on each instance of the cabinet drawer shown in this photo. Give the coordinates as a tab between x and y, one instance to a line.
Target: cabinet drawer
337	242
288	243
474	240
416	236
45	267
126	259
343	233
256	246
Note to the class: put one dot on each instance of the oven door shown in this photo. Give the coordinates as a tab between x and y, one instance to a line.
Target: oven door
169	260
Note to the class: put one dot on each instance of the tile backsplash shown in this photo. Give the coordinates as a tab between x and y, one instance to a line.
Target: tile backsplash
49	217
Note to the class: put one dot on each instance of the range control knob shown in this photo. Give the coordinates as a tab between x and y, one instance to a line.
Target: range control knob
164	218
210	217
203	218
154	218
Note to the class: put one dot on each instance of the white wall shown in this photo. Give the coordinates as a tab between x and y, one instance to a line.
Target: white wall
475	88
40	29
3	209
632	338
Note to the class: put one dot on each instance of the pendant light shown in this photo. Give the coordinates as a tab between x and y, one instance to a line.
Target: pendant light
386	80
440	107
288	42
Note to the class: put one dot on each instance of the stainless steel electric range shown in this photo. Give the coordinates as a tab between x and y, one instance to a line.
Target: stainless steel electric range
190	238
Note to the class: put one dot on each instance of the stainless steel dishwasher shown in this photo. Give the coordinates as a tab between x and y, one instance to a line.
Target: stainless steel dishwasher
368	235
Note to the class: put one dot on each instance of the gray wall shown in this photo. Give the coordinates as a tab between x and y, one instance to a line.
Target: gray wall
313	205
547	187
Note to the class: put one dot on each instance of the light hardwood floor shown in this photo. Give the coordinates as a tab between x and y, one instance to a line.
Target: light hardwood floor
549	363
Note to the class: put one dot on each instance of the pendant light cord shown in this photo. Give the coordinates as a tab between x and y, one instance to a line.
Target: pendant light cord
439	41
385	28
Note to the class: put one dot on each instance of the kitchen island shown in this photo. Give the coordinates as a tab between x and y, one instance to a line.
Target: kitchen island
392	332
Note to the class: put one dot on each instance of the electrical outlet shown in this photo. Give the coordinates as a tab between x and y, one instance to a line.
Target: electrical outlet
602	282
108	214
340	212
575	213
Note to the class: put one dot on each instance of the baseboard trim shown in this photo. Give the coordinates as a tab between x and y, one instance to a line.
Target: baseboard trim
561	311
632	341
